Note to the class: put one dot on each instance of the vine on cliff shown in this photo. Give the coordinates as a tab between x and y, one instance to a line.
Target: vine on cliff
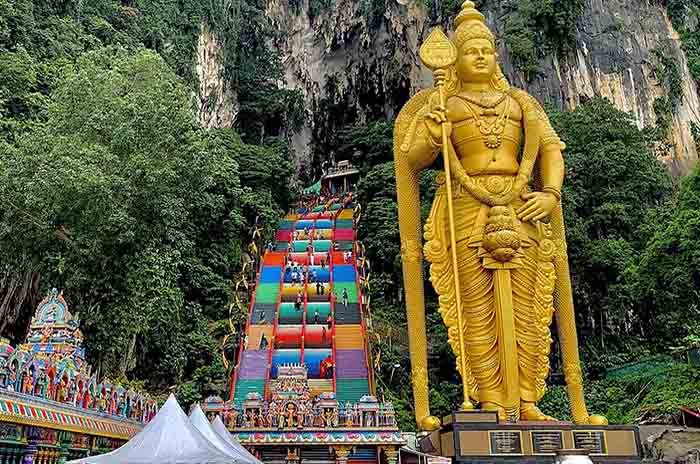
685	17
668	75
533	27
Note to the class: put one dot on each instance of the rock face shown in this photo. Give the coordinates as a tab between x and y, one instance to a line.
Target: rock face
358	59
672	445
217	105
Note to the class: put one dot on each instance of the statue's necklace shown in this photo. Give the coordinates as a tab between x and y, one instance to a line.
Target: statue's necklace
491	132
485	101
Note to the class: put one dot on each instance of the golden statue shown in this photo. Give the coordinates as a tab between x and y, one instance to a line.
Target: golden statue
497	219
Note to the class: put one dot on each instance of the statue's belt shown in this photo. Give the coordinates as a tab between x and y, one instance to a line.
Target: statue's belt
495	184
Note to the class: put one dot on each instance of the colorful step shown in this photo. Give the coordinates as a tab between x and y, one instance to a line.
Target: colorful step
285	225
344	273
343	224
253	364
350	364
345	288
267	293
245	386
317	312
349	337
263	313
313	358
271	274
289	314
259	337
288	336
317	336
349	314
344	234
351	390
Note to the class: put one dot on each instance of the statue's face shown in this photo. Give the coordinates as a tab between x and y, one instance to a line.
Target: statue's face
477	61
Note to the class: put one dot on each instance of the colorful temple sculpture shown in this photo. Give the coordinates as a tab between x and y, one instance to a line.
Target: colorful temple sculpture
52	406
302	390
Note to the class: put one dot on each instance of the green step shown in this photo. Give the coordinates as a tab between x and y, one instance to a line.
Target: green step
338	290
245	386
285	224
343	223
289	315
299	246
324	309
351	390
322	245
267	293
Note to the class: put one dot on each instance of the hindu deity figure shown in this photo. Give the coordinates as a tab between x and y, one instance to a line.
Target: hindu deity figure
290	414
62	390
27	385
334	418
495	234
79	395
301	414
271	414
327	417
11	380
281	418
102	402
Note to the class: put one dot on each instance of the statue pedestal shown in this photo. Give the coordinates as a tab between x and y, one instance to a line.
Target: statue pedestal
477	437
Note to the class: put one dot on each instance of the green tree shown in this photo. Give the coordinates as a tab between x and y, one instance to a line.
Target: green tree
122	200
667	276
612	190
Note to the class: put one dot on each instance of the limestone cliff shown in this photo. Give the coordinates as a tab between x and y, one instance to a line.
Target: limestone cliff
217	105
353	60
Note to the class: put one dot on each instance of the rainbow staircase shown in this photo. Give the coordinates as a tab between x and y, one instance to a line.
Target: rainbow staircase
315	320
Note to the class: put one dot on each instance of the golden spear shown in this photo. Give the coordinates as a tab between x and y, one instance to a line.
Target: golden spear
438	53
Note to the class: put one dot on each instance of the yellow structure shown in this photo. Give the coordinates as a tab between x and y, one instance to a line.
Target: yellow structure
495	234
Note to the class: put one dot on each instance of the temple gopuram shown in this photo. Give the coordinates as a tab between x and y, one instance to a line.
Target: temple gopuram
303	390
53	408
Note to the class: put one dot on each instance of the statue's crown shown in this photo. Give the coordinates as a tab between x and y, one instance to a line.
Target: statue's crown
471	24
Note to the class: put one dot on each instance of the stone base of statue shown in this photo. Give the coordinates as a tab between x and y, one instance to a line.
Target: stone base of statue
477	437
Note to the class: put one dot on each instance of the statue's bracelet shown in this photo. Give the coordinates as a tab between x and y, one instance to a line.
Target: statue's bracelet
553	191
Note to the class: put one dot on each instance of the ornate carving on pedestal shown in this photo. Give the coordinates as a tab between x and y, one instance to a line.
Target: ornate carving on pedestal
292	405
341	454
392	454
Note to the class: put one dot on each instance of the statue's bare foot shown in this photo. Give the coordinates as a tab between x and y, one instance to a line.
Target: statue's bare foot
486	406
530	412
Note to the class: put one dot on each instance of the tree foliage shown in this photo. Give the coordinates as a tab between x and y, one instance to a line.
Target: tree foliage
122	200
613	188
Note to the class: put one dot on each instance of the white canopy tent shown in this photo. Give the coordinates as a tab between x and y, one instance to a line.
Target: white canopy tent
169	438
220	430
201	423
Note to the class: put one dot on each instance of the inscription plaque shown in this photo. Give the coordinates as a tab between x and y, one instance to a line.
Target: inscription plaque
546	442
505	442
592	441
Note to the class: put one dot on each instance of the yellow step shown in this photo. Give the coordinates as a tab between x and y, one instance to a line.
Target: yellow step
348	337
345	214
255	333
